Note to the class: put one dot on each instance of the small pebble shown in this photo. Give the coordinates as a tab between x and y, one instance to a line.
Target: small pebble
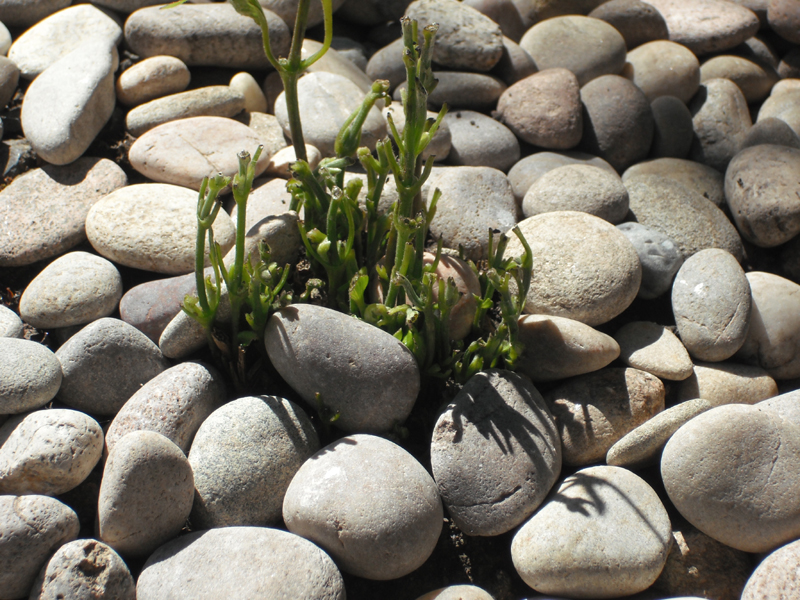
152	78
30	375
664	68
650	347
659	256
479	141
10	324
727	383
254	99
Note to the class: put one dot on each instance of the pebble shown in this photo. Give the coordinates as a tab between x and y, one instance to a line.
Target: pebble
457	592
754	80
244	457
474	200
102	347
583	188
638	22
706	26
61	33
544	109
479	141
739	494
387	63
31	529
152	226
591	281
727	383
787	406
326	101
721	121
321	351
618	123
783	106
771	131
586	46
185	151
48	452
5	40
335	62
173	404
594	411
533	11
84	570
525	458
664	68
69	103
10	324
145	494
461	90
151	305
20	13
45	208
643	445
772	339
281	162
659	256
515	64
466	39
31	375
267	127
363	496
682	214
700	178
462	314
503	12
211	35
673	133
526	171
74	289
279	232
9	80
269	563
184	336
784	19
579	525
211	101
556	348
760	186
152	78
246	84
777	575
651	347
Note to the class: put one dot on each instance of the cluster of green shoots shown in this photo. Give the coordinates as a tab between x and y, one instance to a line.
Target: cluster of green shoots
371	263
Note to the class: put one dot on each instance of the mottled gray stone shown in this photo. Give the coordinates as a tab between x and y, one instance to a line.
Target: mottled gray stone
700	178
145	494
205	35
651	347
638	22
44	210
381	503
461	90
673	132
659	256
102	347
592	281
152	78
727	383
174	404
9	80
48	452
337	63
150	306
84	570
479	141
30	375
66	106
269	563
369	377
24	13
244	457
31	529
783	105
533	11
594	411
387	63
523	174
771	131
643	445
526	456
557	348
10	323
753	79
664	68
579	526
762	189
515	64
503	12
152	226
739	494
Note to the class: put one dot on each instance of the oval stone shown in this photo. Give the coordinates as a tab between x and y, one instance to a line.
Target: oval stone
579	526
30	375
651	347
525	173
700	178
753	79
477	140
663	68
48	452
776	576
727	383
659	255
152	78
152	226
739	494
638	22
244	457
10	323
525	463
365	374
363	496
673	133
145	495
270	564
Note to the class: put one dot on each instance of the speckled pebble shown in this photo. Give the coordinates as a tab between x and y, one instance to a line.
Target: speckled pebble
152	78
659	256
651	347
777	577
479	141
10	323
30	375
727	383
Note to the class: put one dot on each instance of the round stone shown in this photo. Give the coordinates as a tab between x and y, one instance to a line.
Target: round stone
461	90
379	502
771	131
243	458
30	375
605	560
700	178
359	371
712	305
74	289
145	495
777	575
739	494
246	84
651	347
595	410
48	452
457	592
479	141
583	267
673	133
152	78
583	188
153	227
10	323
664	68
784	19
659	255
782	105
492	502
727	383
525	173
761	186
753	79
638	22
